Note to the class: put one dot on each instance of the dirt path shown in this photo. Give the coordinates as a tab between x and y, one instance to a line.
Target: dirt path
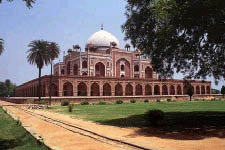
56	137
64	139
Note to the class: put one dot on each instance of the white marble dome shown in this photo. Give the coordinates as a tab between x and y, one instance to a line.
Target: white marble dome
102	39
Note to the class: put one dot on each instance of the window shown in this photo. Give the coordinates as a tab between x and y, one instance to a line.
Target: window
122	67
84	64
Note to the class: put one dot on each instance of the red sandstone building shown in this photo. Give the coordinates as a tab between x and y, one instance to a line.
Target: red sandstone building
104	69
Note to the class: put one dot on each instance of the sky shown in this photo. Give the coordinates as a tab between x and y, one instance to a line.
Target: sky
66	22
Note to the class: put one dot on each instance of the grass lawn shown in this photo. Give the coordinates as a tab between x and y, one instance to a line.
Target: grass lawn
201	118
111	113
14	137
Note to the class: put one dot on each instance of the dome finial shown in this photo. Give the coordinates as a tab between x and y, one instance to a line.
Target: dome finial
102	27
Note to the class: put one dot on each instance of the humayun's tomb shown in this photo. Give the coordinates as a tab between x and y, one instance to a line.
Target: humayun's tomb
105	69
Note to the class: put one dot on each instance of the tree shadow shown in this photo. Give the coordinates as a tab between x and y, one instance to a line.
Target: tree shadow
177	125
7	144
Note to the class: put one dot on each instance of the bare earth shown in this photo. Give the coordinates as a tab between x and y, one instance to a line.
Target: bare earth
62	139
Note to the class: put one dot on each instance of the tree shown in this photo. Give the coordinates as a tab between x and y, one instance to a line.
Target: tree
28	2
1	46
29	5
189	88
54	53
223	90
7	88
185	36
39	56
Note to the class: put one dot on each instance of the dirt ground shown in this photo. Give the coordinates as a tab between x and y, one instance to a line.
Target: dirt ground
66	140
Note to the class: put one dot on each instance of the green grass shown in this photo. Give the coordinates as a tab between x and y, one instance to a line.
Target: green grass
100	113
14	137
200	118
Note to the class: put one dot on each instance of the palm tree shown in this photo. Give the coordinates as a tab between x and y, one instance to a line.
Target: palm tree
28	2
39	56
1	46
54	50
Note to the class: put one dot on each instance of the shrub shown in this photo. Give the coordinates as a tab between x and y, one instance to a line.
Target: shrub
146	100
155	117
133	101
158	101
169	100
119	101
84	102
43	102
65	103
70	107
102	102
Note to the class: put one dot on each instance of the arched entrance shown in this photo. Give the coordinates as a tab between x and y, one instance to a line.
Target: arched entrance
179	92
123	66
148	90
129	90
138	90
164	90
107	89
54	90
148	73
118	90
99	69
156	90
172	90
67	89
197	89
203	89
82	89
95	89
208	89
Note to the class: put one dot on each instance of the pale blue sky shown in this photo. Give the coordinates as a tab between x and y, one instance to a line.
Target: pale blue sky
66	22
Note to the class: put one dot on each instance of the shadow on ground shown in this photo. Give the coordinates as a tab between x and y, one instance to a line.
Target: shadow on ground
177	125
6	144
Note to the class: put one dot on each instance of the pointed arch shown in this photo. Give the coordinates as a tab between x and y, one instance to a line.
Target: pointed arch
172	90
179	92
156	90
107	89
138	89
197	89
54	90
67	89
208	89
148	73
82	89
118	90
99	69
148	90
203	89
164	90
129	90
95	89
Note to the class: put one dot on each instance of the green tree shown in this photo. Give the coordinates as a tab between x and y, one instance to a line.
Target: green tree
223	90
189	88
185	36
3	89
54	51
39	56
7	88
1	46
28	2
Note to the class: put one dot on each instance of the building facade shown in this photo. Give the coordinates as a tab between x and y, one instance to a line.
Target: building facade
104	69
